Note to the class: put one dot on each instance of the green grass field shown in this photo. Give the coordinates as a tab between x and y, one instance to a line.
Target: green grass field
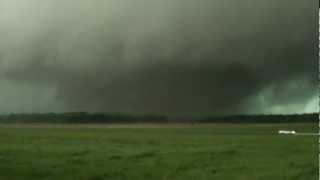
160	152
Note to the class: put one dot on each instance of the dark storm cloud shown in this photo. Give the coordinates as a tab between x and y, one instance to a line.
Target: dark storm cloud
173	57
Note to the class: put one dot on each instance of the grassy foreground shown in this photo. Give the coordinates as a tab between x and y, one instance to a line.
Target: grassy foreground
160	152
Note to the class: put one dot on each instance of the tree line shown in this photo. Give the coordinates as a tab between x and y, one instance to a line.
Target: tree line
83	117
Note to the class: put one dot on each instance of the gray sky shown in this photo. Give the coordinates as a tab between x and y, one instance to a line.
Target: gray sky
170	56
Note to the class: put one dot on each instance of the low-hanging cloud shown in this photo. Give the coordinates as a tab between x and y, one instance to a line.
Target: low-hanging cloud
171	57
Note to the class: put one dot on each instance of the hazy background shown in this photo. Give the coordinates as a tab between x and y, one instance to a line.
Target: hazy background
169	56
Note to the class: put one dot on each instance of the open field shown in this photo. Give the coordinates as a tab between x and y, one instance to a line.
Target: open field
160	152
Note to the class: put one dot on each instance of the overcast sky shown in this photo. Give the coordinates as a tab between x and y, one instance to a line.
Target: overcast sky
150	56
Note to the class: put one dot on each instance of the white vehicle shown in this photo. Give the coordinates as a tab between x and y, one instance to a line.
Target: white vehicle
287	132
